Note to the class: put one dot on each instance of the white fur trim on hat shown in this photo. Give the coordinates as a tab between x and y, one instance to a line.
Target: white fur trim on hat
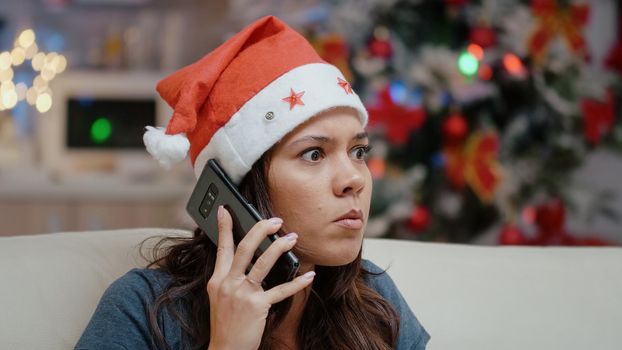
266	118
167	149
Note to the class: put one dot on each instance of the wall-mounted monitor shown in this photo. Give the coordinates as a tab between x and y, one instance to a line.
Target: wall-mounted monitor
98	117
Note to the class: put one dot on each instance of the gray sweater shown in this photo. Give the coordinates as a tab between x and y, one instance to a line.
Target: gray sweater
120	320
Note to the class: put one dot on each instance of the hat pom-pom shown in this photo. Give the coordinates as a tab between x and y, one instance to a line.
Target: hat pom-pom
167	149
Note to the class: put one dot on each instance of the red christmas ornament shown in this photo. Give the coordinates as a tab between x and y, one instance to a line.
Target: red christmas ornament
455	129
511	235
483	36
419	218
456	2
551	216
399	120
380	48
614	58
598	118
550	221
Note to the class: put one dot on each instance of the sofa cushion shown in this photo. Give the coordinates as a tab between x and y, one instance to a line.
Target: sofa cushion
51	283
467	297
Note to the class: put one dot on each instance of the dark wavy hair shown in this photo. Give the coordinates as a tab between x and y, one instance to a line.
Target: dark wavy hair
342	311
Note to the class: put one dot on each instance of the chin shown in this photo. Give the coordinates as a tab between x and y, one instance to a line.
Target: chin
338	257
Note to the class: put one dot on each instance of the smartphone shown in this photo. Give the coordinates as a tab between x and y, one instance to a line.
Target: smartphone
215	188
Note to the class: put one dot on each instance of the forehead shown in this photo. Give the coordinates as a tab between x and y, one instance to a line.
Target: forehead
336	121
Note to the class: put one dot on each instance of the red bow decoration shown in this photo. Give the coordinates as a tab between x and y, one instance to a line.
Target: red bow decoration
614	58
334	49
399	120
475	165
598	118
554	20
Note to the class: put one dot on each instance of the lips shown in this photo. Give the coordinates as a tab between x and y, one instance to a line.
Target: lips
352	214
353	219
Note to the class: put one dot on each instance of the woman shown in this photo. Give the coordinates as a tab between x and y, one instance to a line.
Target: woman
307	174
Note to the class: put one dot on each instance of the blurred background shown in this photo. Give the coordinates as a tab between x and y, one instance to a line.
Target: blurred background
492	122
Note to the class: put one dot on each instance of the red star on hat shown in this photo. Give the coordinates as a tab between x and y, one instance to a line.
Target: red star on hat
345	85
294	99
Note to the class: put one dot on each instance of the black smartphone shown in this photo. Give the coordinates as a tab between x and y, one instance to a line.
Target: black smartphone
215	188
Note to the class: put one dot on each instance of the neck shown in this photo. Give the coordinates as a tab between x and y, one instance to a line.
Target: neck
288	329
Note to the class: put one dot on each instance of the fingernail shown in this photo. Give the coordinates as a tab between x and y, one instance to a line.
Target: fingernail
291	236
309	275
276	221
221	212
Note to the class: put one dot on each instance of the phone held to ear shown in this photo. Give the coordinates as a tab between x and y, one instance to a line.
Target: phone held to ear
215	188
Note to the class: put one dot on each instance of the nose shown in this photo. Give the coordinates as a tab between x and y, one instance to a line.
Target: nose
348	178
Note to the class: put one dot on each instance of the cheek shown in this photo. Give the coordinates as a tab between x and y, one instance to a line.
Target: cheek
298	202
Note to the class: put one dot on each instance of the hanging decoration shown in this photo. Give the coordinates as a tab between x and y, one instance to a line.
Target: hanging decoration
557	20
380	44
400	120
455	129
47	65
333	48
475	164
512	235
419	218
613	60
598	117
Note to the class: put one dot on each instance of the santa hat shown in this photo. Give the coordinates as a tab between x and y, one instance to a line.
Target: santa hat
239	100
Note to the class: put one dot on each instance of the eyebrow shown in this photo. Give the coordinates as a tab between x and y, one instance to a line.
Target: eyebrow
324	139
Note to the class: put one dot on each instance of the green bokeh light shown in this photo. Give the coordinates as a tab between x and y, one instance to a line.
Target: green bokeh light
467	64
101	130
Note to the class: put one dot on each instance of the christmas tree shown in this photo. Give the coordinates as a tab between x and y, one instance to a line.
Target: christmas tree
479	111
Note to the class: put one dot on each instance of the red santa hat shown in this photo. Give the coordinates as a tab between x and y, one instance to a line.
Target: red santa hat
239	100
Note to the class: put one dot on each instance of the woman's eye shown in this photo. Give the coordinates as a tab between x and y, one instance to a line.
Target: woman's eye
361	152
312	155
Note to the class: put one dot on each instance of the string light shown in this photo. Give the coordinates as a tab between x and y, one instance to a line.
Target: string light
467	64
5	61
377	167
38	61
18	55
31	51
6	75
513	64
26	38
44	102
476	50
48	65
39	84
9	99
31	96
9	96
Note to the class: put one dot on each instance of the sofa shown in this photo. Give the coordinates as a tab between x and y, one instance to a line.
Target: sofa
467	297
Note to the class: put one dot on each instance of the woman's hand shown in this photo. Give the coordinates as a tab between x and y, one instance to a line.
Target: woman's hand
238	304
